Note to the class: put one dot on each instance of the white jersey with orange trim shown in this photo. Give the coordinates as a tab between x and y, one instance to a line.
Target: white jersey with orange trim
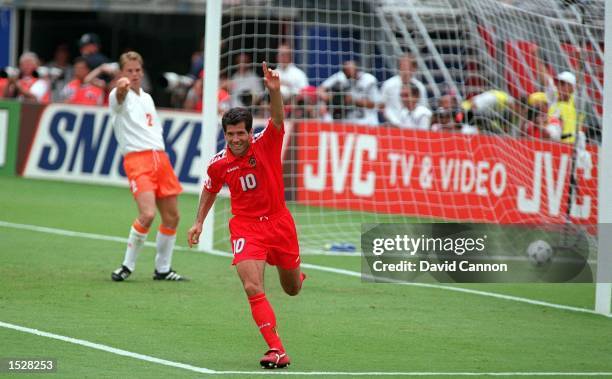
136	123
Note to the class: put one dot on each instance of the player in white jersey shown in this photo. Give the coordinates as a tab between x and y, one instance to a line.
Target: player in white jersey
152	180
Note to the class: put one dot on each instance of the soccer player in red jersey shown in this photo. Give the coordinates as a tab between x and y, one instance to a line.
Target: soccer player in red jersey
262	229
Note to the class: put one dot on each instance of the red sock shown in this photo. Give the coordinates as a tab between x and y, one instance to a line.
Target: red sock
265	320
302	278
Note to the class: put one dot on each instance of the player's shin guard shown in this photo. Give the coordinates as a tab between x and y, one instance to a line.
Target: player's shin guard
266	320
136	239
165	240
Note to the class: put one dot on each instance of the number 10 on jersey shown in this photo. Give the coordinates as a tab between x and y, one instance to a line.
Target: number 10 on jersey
248	182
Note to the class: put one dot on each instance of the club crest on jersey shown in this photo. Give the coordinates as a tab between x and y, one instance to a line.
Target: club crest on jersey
252	162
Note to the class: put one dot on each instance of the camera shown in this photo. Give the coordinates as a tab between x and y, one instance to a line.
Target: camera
171	81
9	72
246	98
337	106
52	73
451	117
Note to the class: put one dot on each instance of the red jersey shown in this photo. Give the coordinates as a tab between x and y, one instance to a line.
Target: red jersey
534	131
222	96
78	93
255	180
38	87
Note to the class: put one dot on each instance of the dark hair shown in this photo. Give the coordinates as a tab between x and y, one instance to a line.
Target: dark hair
414	90
80	59
534	111
235	116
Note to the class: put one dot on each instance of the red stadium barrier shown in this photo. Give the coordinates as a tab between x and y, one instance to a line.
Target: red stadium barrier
442	175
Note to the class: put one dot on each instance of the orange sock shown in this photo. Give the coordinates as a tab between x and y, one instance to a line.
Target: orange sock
139	227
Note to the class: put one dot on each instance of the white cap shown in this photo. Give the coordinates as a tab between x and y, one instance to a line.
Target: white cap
567	77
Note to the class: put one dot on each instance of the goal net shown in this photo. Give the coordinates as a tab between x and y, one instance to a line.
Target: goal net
481	111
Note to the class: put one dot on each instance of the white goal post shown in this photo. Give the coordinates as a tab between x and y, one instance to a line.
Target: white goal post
603	292
209	124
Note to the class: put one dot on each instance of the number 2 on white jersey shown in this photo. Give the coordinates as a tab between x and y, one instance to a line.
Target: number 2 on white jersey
248	182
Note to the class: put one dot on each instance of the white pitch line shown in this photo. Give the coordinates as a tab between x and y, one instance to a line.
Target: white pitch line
70	233
203	370
106	348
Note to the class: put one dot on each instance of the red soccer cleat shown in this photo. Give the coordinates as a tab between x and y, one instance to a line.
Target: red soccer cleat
275	358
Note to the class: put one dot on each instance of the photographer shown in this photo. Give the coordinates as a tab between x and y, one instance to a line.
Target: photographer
62	67
412	115
352	95
104	77
194	101
27	85
293	79
77	91
245	85
391	103
449	117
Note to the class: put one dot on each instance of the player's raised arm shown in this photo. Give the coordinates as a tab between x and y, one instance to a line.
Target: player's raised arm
123	86
272	82
206	201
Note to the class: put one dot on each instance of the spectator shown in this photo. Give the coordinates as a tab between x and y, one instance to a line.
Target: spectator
412	114
79	92
352	95
61	59
197	61
28	86
194	99
293	80
562	104
444	118
391	88
489	102
104	76
61	63
539	124
494	111
307	105
7	81
89	45
448	117
245	85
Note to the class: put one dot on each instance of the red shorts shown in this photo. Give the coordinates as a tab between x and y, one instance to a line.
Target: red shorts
273	239
151	171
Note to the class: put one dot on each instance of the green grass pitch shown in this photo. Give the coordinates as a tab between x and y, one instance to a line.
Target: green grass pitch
61	285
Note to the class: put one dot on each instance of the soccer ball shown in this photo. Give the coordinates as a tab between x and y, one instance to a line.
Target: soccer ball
539	252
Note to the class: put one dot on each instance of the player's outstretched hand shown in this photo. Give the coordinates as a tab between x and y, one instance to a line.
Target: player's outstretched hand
193	235
123	84
271	78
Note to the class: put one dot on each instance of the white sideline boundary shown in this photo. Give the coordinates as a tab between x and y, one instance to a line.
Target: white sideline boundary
204	370
70	233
